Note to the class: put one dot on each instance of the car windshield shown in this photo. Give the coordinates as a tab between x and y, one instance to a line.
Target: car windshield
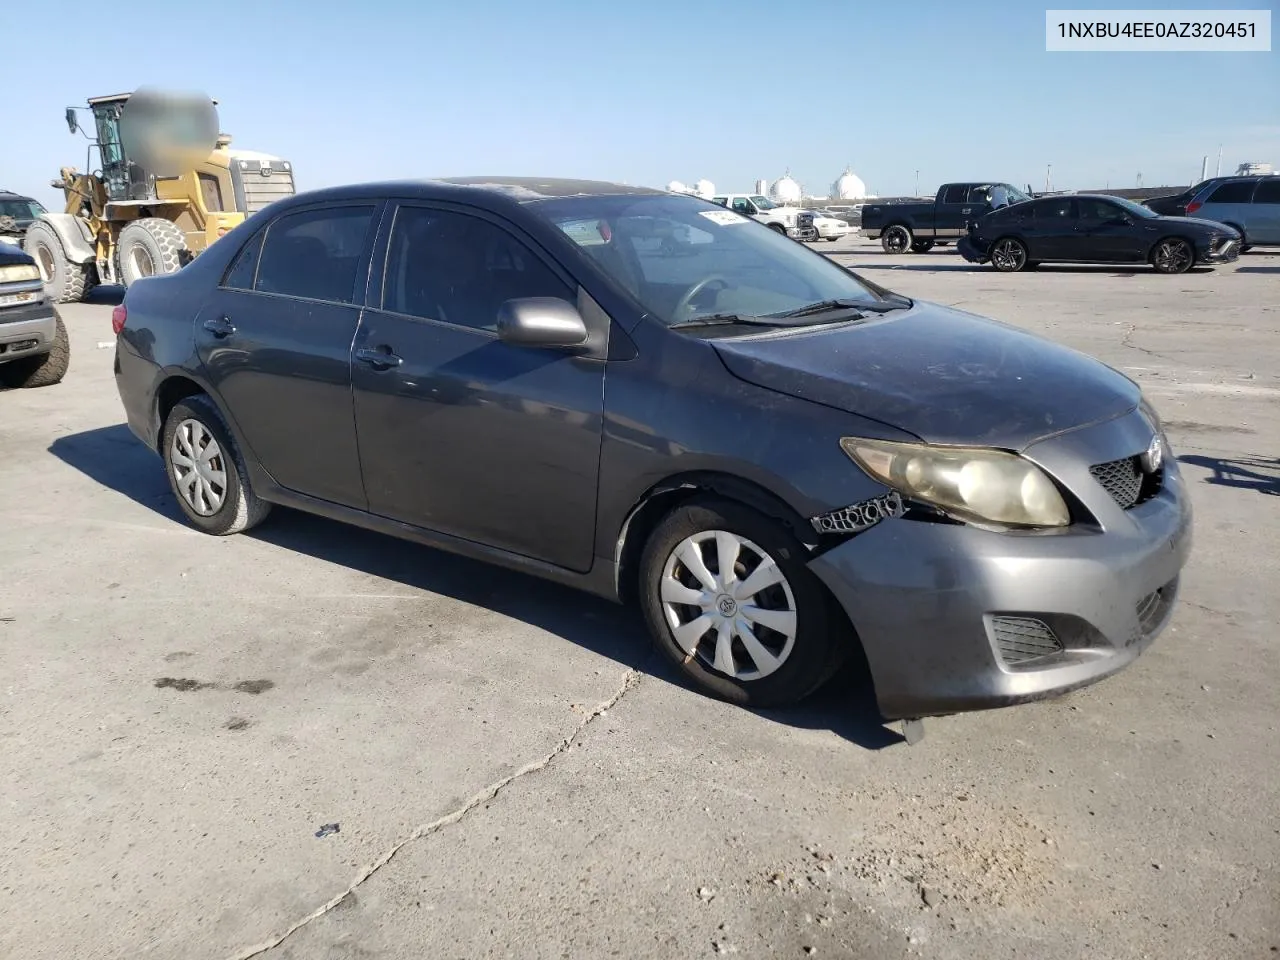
764	203
1002	194
683	258
20	209
1134	209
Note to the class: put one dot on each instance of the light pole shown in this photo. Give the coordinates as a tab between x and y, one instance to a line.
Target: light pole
917	183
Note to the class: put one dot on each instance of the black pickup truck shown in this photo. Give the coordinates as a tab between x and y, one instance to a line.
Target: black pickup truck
916	225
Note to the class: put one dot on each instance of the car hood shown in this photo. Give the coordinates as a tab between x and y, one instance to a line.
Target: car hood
944	375
11	254
1200	225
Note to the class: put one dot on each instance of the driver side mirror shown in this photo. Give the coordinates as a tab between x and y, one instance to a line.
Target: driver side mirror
541	322
72	124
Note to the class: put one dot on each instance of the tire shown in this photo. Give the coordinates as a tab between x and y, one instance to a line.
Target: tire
1173	255
778	228
922	246
44	370
797	662
64	281
149	247
239	508
831	239
1009	255
896	239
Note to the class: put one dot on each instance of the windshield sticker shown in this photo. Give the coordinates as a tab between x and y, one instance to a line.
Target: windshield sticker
861	516
725	218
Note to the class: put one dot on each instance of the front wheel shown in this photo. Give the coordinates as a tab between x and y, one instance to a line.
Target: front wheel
1173	255
44	370
728	599
1009	255
922	246
778	228
896	239
147	248
206	472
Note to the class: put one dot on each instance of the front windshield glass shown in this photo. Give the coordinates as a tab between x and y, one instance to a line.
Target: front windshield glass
764	203
20	209
1134	209
1003	194
682	258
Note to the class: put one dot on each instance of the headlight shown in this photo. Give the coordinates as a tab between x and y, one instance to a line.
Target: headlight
17	272
970	483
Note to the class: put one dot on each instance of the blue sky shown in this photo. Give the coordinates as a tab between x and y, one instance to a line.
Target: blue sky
646	93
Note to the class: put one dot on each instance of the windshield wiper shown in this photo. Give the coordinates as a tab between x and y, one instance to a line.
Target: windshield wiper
862	306
719	319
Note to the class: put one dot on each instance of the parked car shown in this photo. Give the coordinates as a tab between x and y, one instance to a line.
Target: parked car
916	225
782	463
16	214
785	219
1250	205
850	213
828	227
1094	228
1175	204
34	349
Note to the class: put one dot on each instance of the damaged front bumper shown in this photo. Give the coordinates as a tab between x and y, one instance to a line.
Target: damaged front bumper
954	618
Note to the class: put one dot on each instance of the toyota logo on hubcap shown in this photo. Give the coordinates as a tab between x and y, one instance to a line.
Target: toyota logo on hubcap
728	606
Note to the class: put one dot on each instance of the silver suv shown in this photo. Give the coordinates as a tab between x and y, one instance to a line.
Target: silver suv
1250	204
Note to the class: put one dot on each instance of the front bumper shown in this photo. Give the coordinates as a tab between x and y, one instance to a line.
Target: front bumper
924	597
1225	251
27	330
968	249
802	233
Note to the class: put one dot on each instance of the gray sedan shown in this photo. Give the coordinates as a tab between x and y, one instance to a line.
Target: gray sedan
654	399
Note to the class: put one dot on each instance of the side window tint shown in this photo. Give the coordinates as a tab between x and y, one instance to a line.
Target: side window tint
743	206
1095	210
460	269
315	253
1054	211
1237	191
979	194
1268	191
954	194
245	265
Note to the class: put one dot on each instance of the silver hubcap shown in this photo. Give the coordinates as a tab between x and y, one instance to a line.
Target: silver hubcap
199	469
44	261
728	603
1007	255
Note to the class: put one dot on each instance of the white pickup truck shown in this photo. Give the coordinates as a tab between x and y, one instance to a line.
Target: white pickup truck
791	221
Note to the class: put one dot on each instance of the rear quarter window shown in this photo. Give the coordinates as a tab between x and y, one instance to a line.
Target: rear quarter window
1268	191
1239	191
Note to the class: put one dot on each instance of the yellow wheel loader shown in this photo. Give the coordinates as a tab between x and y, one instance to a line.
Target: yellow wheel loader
142	211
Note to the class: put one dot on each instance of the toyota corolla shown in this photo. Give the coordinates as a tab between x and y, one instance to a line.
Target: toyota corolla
657	400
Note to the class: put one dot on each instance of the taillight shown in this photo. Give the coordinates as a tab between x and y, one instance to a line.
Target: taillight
119	315
1193	206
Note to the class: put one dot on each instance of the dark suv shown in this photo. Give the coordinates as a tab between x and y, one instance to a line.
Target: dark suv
16	214
649	396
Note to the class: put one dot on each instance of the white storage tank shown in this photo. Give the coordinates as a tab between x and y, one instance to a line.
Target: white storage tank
785	189
849	186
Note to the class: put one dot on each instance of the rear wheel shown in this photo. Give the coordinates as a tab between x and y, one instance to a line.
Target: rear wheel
922	246
147	248
65	282
896	239
206	472
1173	255
1009	255
728	599
44	370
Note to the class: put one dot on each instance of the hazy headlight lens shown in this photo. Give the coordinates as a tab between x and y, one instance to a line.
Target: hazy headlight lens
17	272
986	486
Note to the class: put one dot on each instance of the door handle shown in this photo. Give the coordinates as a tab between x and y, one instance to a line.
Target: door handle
221	327
380	358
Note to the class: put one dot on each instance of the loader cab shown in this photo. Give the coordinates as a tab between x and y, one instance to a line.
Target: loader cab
121	178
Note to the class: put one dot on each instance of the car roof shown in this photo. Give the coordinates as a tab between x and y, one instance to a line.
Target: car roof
479	188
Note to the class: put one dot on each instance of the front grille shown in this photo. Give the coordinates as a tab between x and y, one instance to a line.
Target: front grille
1125	480
254	191
1020	639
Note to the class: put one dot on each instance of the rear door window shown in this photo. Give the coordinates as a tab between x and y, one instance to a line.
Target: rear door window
955	194
315	254
1056	211
1268	191
1237	191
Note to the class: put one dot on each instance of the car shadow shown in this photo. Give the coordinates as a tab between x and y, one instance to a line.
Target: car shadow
1257	269
109	295
1098	270
113	457
1247	473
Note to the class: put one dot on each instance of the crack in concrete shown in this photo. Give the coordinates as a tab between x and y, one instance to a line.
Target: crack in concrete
629	681
1127	341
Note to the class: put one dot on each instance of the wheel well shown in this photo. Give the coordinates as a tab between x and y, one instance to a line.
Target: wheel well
172	392
1244	237
898	223
664	497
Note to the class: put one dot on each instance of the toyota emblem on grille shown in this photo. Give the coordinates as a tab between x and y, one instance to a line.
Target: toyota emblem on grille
1154	456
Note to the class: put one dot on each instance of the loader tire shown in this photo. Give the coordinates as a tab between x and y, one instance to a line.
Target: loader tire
149	247
64	281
